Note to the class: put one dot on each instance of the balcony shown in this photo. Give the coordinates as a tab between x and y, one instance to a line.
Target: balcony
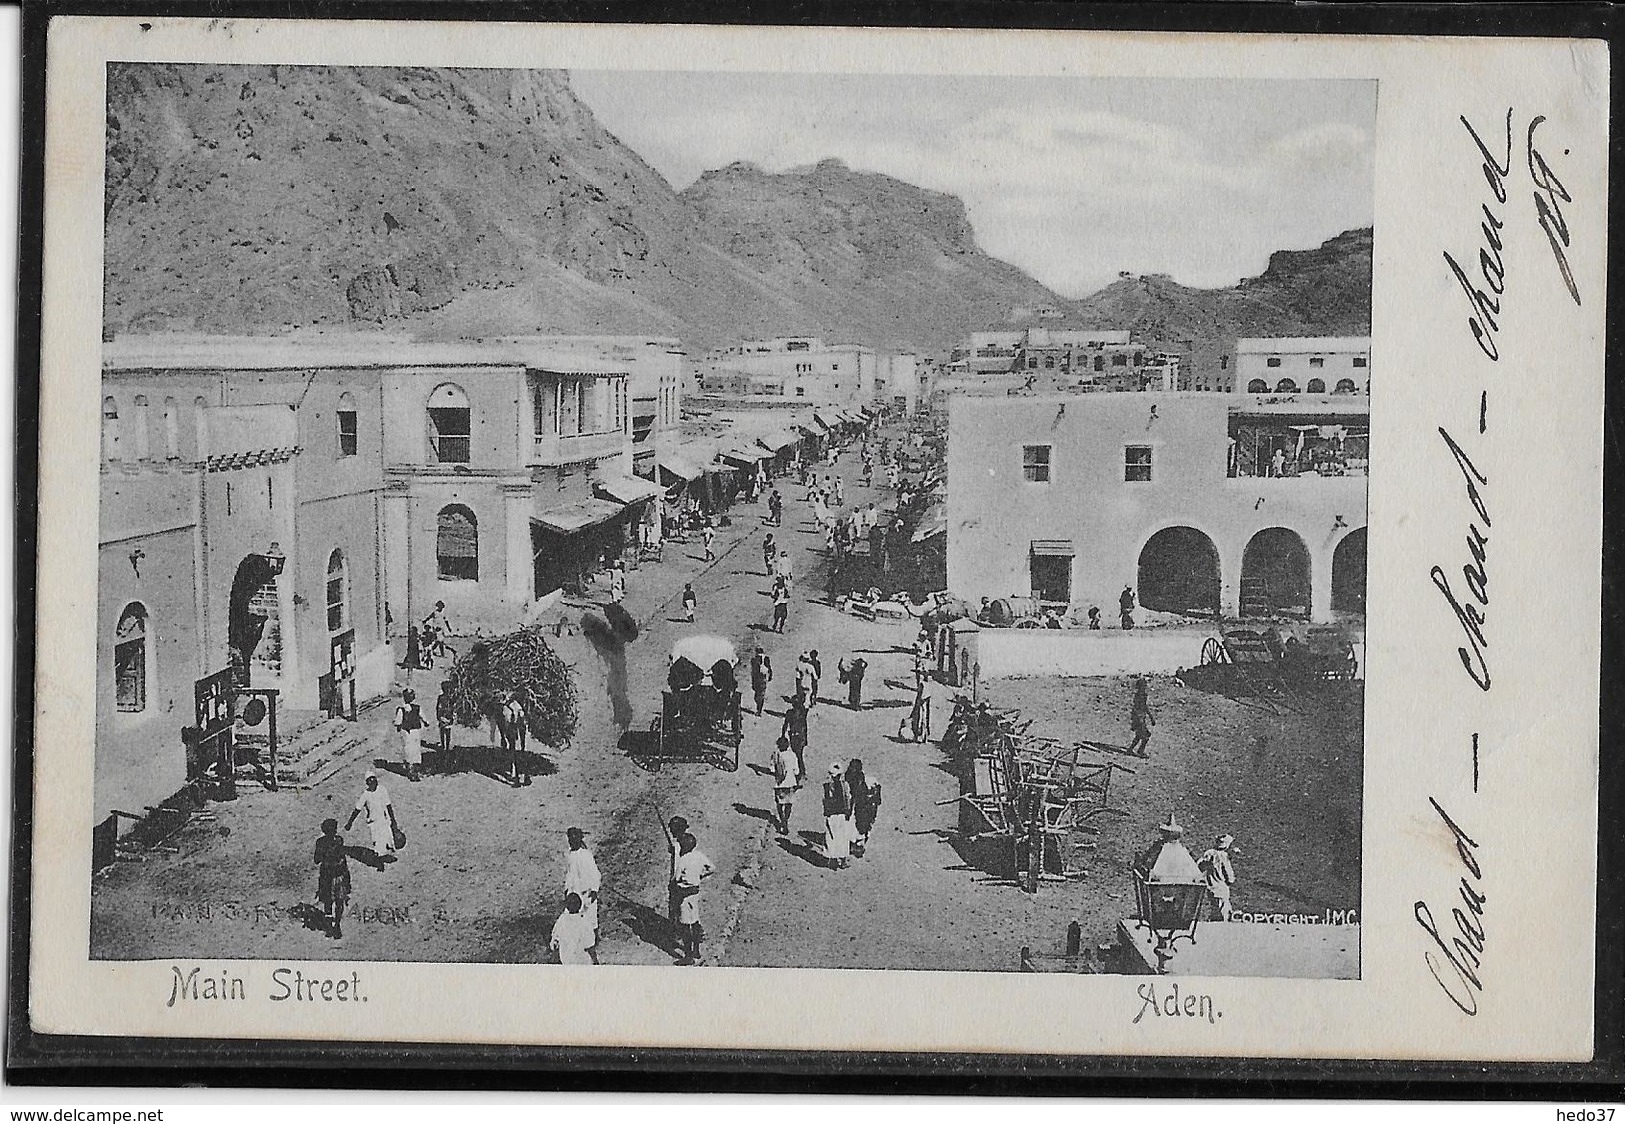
548	450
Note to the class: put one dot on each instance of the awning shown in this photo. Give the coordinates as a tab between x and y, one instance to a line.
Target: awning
680	468
779	440
933	523
627	489
569	518
721	466
1059	548
816	426
743	456
829	419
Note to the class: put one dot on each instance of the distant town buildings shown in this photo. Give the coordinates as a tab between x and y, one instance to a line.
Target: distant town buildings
1311	364
813	371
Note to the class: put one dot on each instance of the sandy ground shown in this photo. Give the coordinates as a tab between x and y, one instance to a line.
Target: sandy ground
480	880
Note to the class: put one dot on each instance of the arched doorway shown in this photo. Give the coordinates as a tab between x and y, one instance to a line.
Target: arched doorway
254	623
1348	573
1179	572
1275	575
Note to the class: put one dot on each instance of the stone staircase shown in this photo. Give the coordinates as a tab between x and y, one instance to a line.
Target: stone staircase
310	746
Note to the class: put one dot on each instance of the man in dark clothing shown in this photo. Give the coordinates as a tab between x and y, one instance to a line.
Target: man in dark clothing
795	728
781	604
852	676
818	677
761	674
1140	719
1125	608
332	876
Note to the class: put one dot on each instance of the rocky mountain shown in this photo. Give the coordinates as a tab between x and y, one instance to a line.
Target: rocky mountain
254	198
466	202
1325	291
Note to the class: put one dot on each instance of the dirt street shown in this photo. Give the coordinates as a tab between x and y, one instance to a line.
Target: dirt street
480	880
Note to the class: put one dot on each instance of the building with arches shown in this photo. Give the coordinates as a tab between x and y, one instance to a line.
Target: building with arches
286	506
1070	498
1304	365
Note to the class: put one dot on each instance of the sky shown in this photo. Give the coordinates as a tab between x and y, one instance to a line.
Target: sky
1072	179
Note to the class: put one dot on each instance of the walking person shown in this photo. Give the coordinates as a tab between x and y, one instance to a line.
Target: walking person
512	727
865	795
408	722
781	603
581	878
380	813
804	681
1125	607
690	601
1140	719
852	675
795	731
761	674
770	553
787	571
689	872
817	677
786	781
332	876
445	716
574	938
709	537
775	507
1221	875
617	583
840	493
837	818
675	828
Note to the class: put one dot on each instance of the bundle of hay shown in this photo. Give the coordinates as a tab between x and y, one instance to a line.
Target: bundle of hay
481	680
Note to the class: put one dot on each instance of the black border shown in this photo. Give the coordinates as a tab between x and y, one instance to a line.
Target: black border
38	1059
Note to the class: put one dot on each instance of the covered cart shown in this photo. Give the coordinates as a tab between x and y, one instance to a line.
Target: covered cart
700	709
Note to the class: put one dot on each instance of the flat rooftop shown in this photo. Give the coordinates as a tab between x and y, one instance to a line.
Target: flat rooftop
353	350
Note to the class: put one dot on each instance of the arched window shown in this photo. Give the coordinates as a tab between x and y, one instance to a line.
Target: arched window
111	446
1286	386
130	659
450	424
1344	386
1315	386
139	423
172	429
457	545
1258	386
348	440
338	592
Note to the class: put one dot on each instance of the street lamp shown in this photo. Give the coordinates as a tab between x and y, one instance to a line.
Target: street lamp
274	559
1170	912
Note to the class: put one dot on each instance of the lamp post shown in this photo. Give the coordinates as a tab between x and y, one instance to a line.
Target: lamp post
1170	912
274	559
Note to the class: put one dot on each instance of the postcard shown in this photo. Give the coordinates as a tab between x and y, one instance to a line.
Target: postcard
1033	542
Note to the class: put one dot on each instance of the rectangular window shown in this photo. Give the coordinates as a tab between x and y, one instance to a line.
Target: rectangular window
568	415
1120	360
1035	463
130	675
1317	360
335	602
1100	362
1359	361
347	433
450	434
1137	463
801	392
1273	361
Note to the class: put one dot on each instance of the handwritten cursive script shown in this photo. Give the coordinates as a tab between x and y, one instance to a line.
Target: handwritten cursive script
1475	573
1550	194
1485	299
1458	972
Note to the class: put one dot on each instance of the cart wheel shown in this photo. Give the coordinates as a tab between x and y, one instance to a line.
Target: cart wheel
1212	652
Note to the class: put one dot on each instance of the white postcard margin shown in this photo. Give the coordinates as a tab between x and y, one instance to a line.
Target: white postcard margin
1527	810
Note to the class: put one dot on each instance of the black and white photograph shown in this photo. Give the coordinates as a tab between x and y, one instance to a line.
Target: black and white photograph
653	537
793	521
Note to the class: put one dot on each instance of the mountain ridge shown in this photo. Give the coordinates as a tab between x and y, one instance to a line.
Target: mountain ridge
472	202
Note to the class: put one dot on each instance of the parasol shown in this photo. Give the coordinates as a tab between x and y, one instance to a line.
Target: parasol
703	651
